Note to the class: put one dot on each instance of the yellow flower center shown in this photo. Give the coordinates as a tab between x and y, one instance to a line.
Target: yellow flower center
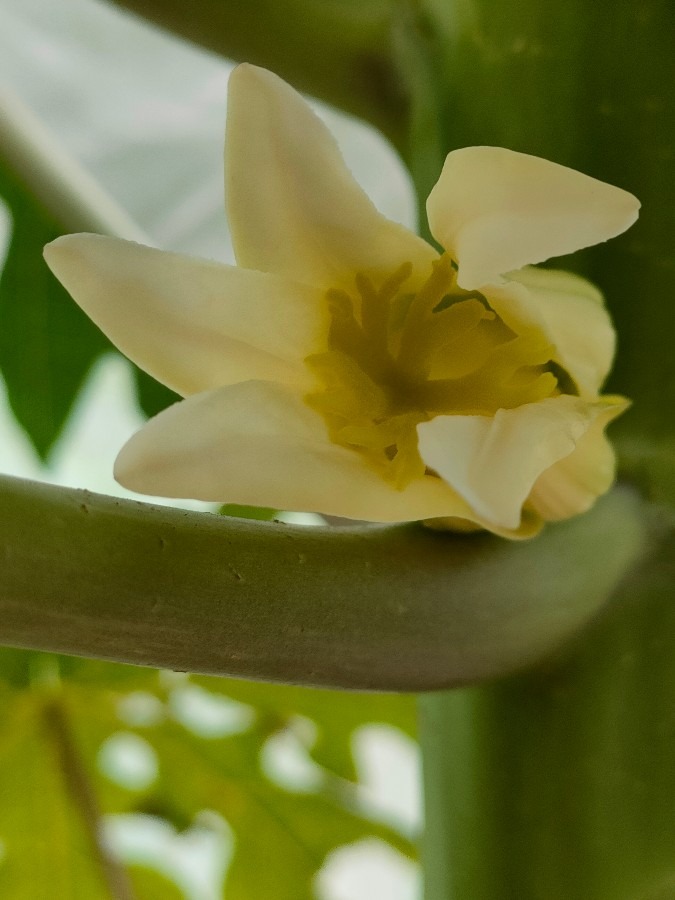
395	359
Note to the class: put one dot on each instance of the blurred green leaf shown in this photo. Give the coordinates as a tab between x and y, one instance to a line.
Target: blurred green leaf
337	714
15	666
46	852
20	667
295	831
292	832
259	513
151	885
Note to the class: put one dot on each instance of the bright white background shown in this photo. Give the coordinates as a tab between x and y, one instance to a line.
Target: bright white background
145	114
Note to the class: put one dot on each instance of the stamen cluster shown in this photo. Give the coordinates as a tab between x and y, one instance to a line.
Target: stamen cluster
396	358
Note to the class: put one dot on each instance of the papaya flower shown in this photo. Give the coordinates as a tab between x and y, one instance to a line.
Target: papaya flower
345	366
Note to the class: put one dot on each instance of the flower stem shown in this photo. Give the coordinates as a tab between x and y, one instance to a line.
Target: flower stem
384	608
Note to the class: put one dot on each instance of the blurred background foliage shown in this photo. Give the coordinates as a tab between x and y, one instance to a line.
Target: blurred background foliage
83	743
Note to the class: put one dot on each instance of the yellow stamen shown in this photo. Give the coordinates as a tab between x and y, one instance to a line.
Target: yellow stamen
396	359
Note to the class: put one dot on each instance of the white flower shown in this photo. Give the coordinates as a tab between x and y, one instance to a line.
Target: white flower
347	368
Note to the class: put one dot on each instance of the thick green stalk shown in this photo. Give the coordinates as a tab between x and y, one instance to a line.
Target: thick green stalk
385	608
559	784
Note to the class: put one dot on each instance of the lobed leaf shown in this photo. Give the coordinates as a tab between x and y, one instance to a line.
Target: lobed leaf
295	831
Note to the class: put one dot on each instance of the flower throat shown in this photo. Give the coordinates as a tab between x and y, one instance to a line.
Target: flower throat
397	358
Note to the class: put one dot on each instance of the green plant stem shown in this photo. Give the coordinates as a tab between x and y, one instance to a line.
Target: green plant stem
83	796
384	608
559	785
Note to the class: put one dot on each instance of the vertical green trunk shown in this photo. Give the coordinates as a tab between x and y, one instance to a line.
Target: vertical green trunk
560	784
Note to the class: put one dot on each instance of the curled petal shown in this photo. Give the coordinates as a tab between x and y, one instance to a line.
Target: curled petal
569	311
258	443
191	323
573	484
496	210
293	206
493	462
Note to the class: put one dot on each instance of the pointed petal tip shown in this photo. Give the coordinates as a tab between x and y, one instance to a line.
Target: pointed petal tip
120	469
498	210
136	466
294	207
626	209
241	73
124	470
246	76
67	247
612	406
60	245
64	256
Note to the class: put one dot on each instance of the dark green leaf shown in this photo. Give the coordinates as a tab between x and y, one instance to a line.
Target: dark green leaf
47	345
153	397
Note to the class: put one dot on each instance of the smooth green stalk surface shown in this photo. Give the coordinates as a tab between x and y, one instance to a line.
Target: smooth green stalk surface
386	608
561	785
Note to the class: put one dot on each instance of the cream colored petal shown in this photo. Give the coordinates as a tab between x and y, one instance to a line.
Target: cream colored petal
496	210
493	462
573	484
191	323
569	311
258	443
293	206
